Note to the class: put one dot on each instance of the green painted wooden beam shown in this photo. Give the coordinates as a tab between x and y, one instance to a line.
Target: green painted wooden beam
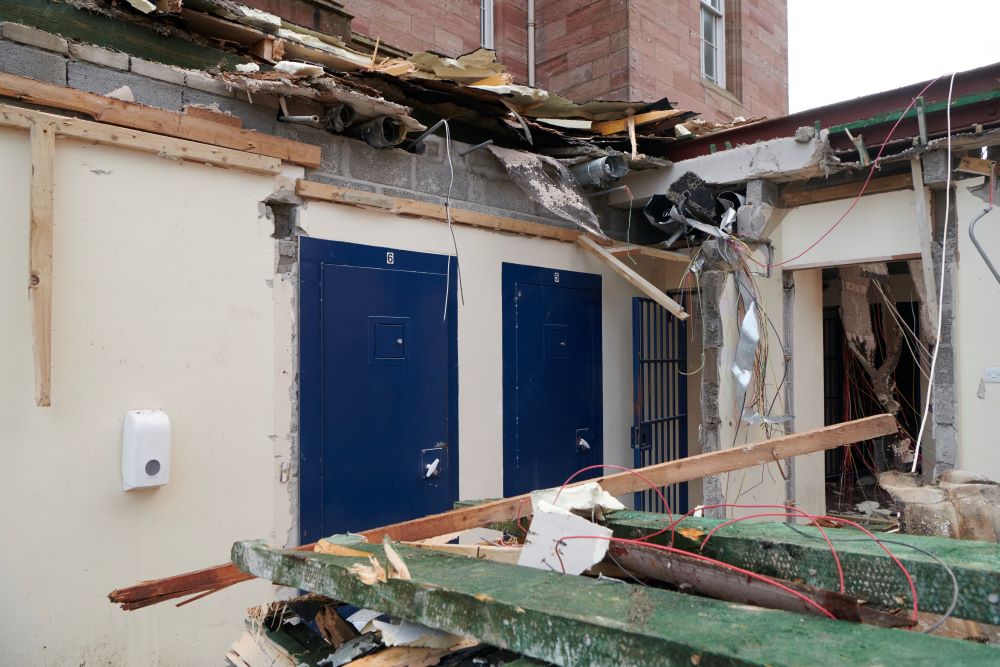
585	622
772	548
892	116
114	33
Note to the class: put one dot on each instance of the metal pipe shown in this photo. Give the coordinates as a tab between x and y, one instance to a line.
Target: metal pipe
300	120
531	42
381	132
339	118
975	241
475	148
600	171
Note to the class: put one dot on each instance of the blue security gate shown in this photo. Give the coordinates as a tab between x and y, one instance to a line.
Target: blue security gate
552	396
659	422
378	387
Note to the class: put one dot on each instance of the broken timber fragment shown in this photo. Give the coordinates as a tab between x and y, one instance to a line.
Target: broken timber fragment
43	144
775	550
662	474
157	121
547	615
697	576
633	278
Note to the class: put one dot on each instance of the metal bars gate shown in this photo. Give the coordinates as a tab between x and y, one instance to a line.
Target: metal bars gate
659	397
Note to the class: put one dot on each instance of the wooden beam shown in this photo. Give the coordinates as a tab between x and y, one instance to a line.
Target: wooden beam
702	578
650	251
773	549
43	146
111	135
622	124
419	209
157	121
508	509
800	194
550	616
637	281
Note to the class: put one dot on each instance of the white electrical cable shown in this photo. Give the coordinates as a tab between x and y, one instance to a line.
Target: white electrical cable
944	257
451	229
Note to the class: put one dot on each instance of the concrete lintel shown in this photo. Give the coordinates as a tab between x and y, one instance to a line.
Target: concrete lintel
776	160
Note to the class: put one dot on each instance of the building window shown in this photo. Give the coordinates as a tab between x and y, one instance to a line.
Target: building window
486	23
713	42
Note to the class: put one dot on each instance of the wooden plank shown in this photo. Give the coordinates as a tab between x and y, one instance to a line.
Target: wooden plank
43	147
111	135
419	209
637	281
112	29
210	114
622	124
157	121
482	551
798	194
584	622
402	656
702	578
508	509
650	251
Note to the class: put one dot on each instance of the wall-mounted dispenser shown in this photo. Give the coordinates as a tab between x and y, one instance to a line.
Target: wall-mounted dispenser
145	449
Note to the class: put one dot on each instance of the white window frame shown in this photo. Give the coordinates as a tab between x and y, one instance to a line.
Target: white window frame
716	10
486	24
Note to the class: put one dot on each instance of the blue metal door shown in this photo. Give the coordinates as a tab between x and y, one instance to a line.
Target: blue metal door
378	378
553	413
659	423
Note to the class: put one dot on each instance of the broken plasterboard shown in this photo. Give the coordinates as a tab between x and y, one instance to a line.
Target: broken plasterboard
578	497
405	633
563	542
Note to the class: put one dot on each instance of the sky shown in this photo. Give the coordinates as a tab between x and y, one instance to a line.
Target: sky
841	49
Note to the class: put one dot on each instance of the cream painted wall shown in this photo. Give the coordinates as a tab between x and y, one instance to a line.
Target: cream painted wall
977	316
807	385
160	301
479	326
880	226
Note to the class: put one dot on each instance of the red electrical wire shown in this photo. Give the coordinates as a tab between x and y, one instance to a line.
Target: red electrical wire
871	172
906	573
648	481
662	547
789	510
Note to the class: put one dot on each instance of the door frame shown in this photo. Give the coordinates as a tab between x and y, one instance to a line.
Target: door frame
666	372
511	276
313	253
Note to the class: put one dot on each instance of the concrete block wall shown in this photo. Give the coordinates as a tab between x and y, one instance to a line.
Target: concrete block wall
480	181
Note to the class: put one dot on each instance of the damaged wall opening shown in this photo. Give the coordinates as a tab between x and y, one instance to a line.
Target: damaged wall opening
875	360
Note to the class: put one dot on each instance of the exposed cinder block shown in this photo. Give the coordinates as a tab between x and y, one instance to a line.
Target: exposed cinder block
259	118
101	80
158	71
206	83
389	166
761	192
24	34
99	56
432	174
35	63
935	167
